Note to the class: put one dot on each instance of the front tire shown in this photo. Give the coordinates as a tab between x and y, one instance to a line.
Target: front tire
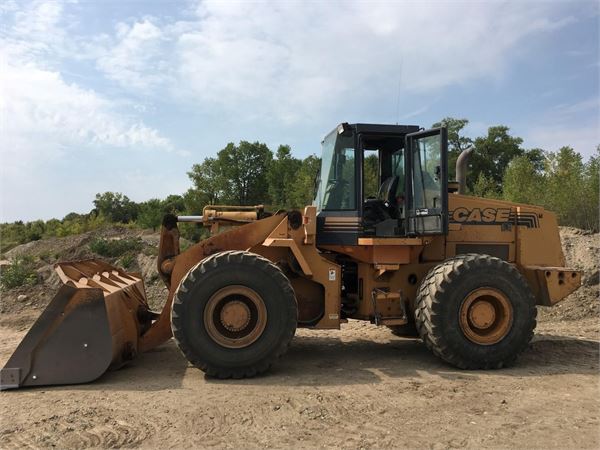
234	314
475	312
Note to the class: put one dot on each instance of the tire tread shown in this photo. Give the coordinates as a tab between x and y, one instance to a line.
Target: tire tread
430	295
208	264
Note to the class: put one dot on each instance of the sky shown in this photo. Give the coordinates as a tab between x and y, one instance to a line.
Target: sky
126	96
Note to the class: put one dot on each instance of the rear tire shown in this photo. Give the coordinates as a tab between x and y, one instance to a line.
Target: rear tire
475	312
234	314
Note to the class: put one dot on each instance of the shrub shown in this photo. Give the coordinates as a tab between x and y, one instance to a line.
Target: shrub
127	260
115	247
21	272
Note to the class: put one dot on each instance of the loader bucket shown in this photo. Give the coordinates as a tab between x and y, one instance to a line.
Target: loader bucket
92	324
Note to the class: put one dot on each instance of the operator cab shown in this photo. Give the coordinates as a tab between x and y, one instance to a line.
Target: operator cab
384	181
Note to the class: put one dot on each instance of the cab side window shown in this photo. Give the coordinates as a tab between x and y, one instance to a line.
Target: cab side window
427	172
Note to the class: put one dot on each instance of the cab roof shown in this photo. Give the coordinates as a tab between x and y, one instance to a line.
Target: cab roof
372	128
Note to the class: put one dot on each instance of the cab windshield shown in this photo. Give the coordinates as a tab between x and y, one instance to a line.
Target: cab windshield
337	186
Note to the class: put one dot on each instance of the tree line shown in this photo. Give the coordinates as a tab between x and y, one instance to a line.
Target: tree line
250	173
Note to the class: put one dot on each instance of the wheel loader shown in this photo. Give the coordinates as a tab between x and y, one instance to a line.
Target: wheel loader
416	255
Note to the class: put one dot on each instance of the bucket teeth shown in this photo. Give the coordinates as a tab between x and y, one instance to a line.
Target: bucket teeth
93	323
94	273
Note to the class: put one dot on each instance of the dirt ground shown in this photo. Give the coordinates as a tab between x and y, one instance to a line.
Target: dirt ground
360	387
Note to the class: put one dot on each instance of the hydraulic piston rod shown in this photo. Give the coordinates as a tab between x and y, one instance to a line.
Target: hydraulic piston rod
190	219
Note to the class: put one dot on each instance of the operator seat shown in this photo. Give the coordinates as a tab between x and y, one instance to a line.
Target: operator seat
384	206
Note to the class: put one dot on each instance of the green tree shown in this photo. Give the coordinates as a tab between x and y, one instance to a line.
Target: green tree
194	201
303	191
208	180
592	191
456	141
281	176
116	207
52	227
485	187
572	188
12	234
371	175
173	204
245	167
150	214
537	158
491	157
35	230
524	182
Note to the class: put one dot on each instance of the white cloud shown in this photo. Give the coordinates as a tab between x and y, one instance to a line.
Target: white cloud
567	110
49	129
289	61
35	31
137	60
583	139
281	62
44	115
574	124
40	100
44	118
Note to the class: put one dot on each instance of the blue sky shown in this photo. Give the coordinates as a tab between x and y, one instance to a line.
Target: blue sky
126	95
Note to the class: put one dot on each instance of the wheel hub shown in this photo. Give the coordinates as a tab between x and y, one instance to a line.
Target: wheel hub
486	316
482	314
235	316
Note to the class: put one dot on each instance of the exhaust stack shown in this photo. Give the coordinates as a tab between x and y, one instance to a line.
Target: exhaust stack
461	169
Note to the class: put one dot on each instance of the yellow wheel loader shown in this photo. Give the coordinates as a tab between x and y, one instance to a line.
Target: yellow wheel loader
417	255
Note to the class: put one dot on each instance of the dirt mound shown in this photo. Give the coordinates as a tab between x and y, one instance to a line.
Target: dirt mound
47	252
70	248
582	252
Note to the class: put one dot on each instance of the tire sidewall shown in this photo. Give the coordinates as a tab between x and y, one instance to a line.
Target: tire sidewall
278	304
499	276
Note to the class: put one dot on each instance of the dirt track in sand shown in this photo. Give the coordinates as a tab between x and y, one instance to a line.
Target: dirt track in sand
360	387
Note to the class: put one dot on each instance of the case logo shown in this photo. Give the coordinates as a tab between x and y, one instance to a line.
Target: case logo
494	216
480	215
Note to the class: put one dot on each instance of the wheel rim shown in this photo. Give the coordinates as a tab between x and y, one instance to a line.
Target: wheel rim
235	316
486	316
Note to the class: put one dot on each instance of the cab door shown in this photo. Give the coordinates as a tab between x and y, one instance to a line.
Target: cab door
427	182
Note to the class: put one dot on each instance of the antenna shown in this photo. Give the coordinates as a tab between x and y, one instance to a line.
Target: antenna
399	88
